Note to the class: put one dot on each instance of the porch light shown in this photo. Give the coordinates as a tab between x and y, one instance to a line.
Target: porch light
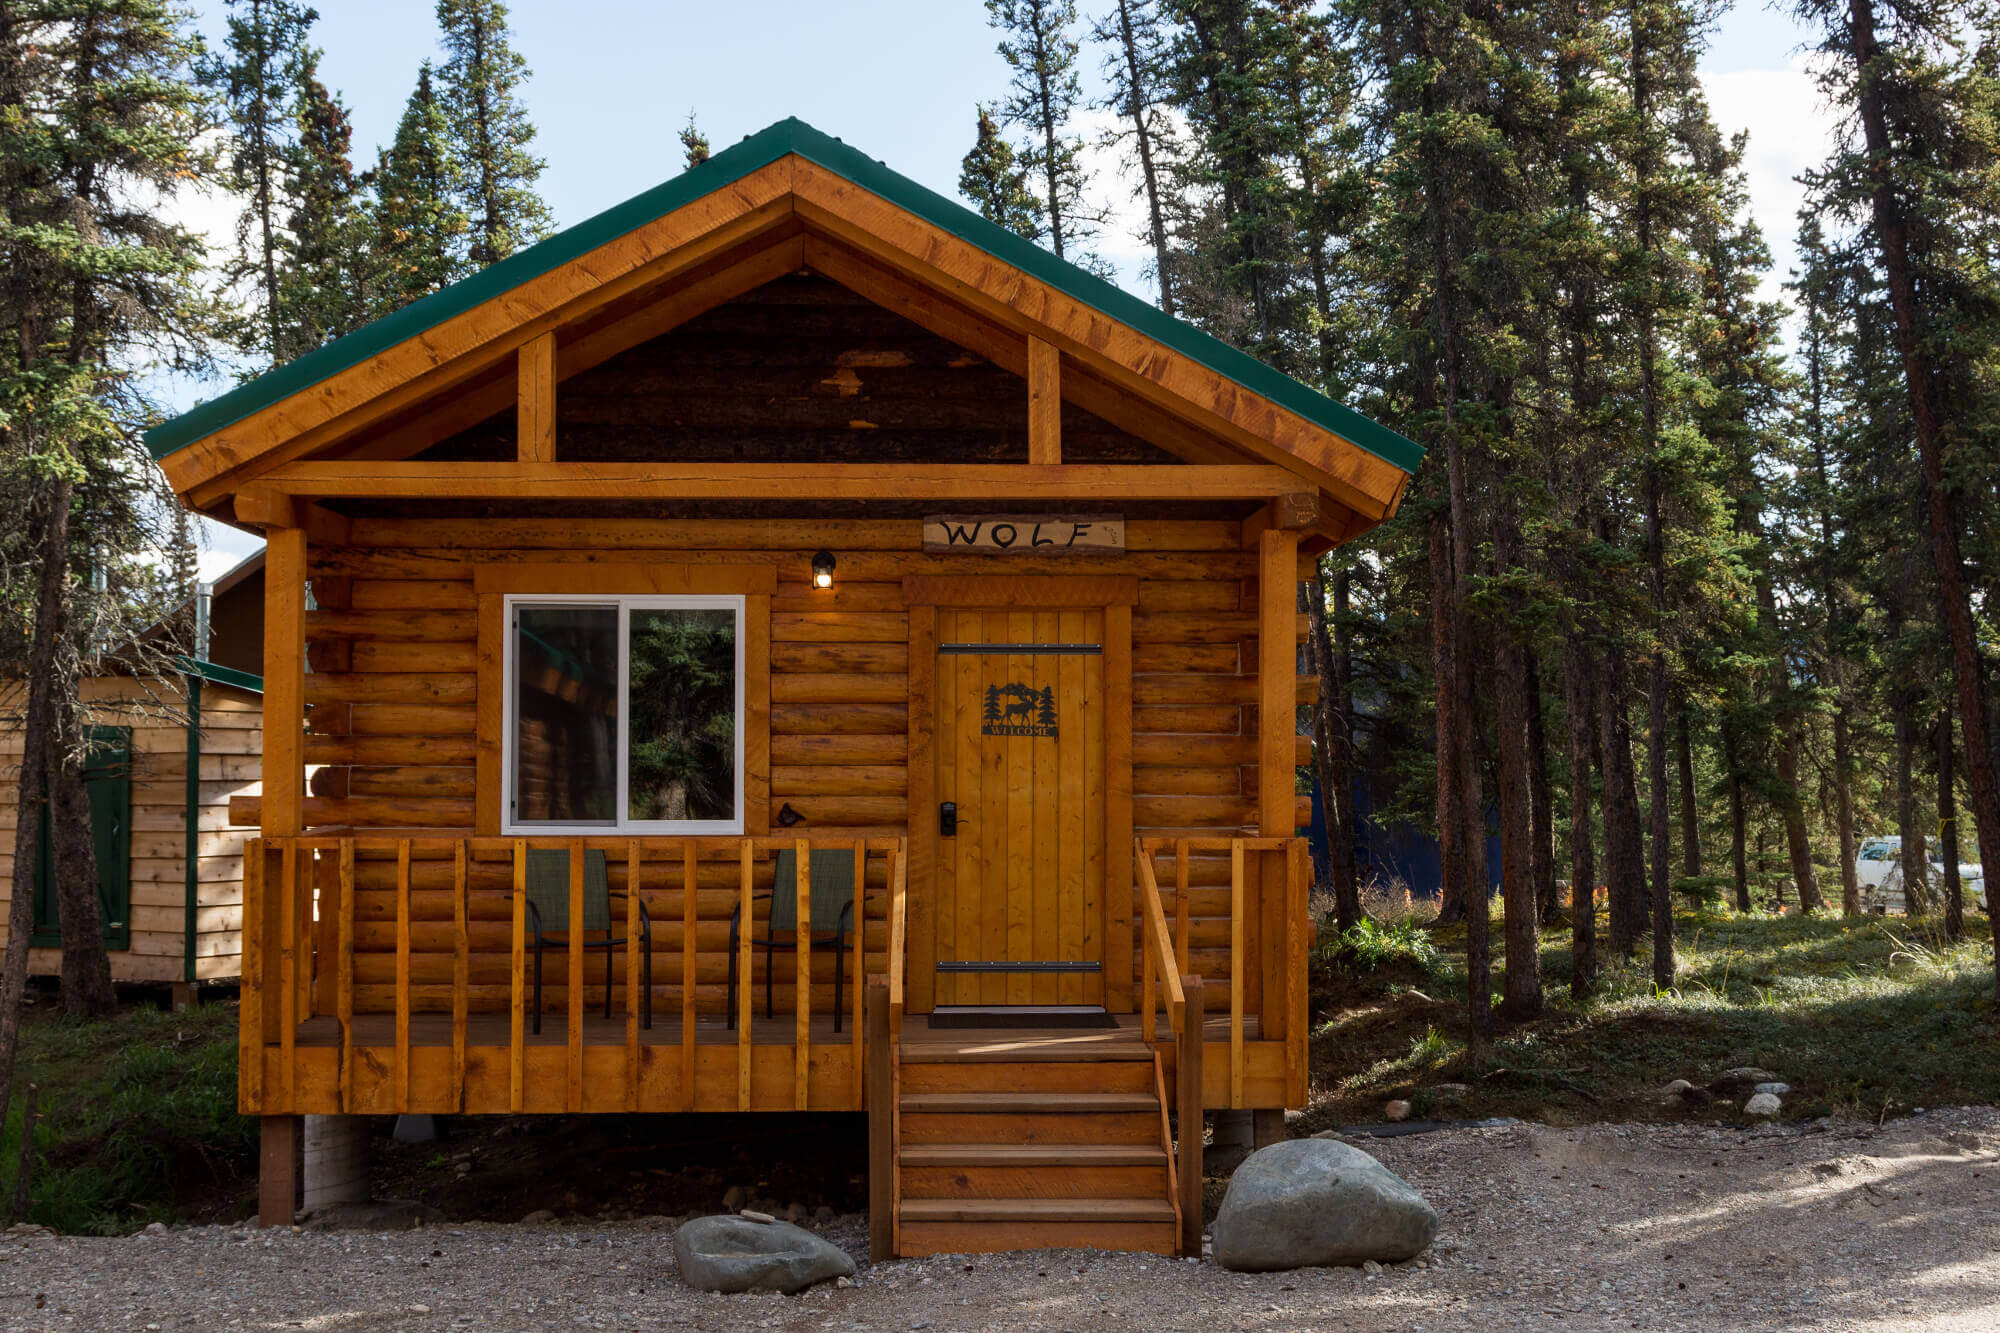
823	569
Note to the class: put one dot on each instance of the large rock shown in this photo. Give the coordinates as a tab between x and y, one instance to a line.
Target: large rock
1314	1202
736	1254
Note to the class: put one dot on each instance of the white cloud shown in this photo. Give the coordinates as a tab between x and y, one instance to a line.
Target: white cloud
1791	131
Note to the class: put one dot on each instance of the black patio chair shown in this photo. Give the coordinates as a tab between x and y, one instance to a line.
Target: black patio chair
548	921
832	891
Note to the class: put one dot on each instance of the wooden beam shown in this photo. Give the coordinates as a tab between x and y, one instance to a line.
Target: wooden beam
535	399
776	481
282	810
280	1142
852	213
1277	679
1044	402
263	507
1299	511
462	347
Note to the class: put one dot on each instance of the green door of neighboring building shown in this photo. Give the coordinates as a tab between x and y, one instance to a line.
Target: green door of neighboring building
108	783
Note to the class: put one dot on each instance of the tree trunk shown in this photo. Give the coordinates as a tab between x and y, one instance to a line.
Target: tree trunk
1449	727
1333	745
1739	856
38	720
1624	855
86	968
1892	231
1912	861
1582	865
1843	808
1798	846
1690	812
1544	849
1142	131
1947	803
1522	986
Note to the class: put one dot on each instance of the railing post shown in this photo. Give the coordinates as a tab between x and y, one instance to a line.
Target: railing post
403	974
744	984
517	1056
690	863
573	1099
1187	1100
881	1125
343	986
632	975
1236	965
461	967
801	971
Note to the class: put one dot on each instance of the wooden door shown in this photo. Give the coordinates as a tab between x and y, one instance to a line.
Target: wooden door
1020	754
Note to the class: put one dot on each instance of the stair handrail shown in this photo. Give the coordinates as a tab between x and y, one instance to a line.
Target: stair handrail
1158	967
898	931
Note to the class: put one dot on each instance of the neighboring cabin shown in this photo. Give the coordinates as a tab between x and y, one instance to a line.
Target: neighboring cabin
162	924
789	515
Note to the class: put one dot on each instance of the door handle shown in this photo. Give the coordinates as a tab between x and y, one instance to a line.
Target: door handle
948	819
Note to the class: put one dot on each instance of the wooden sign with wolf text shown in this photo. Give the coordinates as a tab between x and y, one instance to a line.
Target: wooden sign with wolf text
1025	534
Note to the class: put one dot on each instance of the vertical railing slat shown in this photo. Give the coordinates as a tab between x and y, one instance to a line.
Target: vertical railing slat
288	963
250	1029
632	975
343	986
573	1099
461	968
859	965
690	857
802	974
517	1041
403	974
1148	944
744	987
1236	915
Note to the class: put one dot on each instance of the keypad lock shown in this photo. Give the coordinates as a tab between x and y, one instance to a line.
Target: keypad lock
948	819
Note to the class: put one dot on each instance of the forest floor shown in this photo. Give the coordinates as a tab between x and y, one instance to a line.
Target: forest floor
1836	1226
1868	1017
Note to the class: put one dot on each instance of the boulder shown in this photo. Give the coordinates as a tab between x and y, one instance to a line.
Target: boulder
1317	1202
1762	1103
731	1254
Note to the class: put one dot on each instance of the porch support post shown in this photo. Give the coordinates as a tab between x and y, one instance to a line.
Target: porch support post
881	1124
282	809
278	1169
1044	402
1277	754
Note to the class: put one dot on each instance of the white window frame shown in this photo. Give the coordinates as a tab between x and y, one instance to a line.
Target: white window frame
509	721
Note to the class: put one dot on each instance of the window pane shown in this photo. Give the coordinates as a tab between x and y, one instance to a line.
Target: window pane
682	707
565	718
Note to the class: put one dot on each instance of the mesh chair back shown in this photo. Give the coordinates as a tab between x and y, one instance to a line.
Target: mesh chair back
832	888
548	889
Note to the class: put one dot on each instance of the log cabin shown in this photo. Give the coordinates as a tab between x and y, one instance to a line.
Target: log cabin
790	522
168	754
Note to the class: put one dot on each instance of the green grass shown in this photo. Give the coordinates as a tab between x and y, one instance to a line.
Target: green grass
1867	1017
137	1120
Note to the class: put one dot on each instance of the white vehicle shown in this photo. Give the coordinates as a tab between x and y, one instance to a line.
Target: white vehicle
1878	865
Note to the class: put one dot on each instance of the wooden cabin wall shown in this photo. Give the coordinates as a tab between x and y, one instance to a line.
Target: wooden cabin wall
231	765
393	702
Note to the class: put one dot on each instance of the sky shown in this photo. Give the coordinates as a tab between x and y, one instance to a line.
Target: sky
615	80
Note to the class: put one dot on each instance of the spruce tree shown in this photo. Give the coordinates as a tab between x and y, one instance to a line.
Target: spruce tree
993	179
416	228
260	81
694	143
99	113
1134	60
1043	98
322	283
479	90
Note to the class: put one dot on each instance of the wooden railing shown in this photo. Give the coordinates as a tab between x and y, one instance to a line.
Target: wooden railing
308	887
1165	957
1163	965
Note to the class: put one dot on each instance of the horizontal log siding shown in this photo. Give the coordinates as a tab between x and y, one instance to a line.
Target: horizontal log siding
397	724
231	765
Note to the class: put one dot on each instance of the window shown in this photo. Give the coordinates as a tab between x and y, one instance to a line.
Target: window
624	714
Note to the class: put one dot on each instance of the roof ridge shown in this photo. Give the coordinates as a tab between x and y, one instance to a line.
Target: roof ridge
777	140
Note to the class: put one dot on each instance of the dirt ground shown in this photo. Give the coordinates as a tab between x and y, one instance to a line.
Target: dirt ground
1823	1226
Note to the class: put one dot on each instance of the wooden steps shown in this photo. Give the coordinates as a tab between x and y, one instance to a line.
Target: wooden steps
1051	1148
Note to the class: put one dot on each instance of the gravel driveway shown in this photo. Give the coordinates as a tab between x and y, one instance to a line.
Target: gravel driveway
1834	1226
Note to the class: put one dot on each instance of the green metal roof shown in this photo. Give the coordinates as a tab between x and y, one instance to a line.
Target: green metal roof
221	675
720	171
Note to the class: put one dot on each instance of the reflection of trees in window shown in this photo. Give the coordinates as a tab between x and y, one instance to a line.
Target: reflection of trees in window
565	755
682	715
